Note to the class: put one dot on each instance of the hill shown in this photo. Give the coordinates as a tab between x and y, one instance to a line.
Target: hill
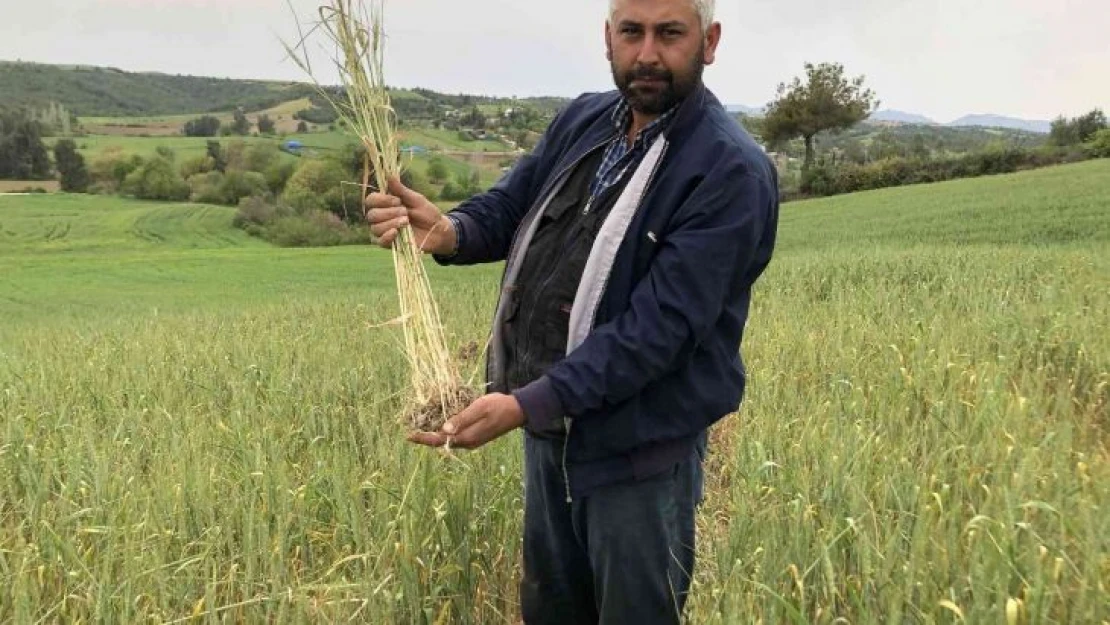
112	93
1052	206
901	117
108	92
1000	121
745	109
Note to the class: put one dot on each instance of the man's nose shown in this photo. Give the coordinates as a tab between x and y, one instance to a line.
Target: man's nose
649	51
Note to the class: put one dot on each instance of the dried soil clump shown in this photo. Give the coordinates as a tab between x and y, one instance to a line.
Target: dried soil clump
431	415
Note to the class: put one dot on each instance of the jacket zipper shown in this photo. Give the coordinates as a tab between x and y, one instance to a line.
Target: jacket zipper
567	421
552	272
555	187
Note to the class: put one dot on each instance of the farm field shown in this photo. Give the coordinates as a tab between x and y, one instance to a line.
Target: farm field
198	427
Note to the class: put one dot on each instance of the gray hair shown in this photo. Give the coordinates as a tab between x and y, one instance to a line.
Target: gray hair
705	9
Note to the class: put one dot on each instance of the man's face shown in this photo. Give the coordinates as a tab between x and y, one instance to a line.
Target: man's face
658	51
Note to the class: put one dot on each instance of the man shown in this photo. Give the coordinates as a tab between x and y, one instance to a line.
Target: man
633	234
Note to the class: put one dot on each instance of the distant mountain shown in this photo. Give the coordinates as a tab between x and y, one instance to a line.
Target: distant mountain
900	117
741	108
999	121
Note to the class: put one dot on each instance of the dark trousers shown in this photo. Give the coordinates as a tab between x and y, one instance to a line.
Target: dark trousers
621	554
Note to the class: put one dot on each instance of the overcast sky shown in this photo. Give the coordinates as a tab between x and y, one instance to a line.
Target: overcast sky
941	58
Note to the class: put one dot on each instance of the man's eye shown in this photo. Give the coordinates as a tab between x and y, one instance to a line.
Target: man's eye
630	30
671	33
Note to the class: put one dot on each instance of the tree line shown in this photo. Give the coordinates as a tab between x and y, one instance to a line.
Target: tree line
211	126
24	155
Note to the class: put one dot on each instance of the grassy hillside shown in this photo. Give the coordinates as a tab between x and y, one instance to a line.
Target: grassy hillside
72	223
1056	205
102	92
204	427
99	91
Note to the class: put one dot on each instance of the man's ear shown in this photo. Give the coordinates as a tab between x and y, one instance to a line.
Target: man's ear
608	41
712	40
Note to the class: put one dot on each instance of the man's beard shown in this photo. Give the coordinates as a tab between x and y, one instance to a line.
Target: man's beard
670	91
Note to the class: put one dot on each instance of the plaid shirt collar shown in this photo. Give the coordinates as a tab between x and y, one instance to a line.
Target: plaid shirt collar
622	120
620	156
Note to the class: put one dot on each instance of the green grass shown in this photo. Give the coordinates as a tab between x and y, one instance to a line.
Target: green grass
432	138
92	146
205	427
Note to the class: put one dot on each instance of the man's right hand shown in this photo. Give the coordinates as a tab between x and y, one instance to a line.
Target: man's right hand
402	207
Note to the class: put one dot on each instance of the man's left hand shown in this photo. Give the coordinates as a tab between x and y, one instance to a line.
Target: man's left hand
487	419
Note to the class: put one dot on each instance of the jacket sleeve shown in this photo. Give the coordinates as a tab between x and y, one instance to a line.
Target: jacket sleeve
487	223
711	248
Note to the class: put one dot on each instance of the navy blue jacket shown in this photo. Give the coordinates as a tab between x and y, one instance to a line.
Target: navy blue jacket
655	357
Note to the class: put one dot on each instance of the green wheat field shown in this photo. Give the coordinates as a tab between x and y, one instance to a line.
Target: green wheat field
197	427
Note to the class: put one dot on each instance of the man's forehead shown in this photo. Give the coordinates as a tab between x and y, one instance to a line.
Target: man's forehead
655	11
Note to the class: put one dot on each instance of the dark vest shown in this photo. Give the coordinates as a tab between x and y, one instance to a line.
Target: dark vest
536	323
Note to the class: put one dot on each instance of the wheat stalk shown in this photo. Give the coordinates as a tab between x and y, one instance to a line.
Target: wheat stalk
355	27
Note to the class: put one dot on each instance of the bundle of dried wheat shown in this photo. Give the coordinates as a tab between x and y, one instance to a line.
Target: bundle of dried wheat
355	29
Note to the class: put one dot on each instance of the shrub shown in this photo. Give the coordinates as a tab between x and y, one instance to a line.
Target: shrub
314	229
260	157
257	211
156	180
1099	147
205	188
453	193
108	171
197	165
278	175
309	185
240	184
823	179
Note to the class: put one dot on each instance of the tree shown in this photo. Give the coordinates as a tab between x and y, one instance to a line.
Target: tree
1088	125
216	153
827	100
1077	130
23	155
266	125
207	126
241	125
474	119
302	127
71	167
437	171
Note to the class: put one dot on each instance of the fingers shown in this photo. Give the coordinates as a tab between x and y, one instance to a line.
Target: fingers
437	439
460	422
378	215
387	239
381	200
429	439
380	228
